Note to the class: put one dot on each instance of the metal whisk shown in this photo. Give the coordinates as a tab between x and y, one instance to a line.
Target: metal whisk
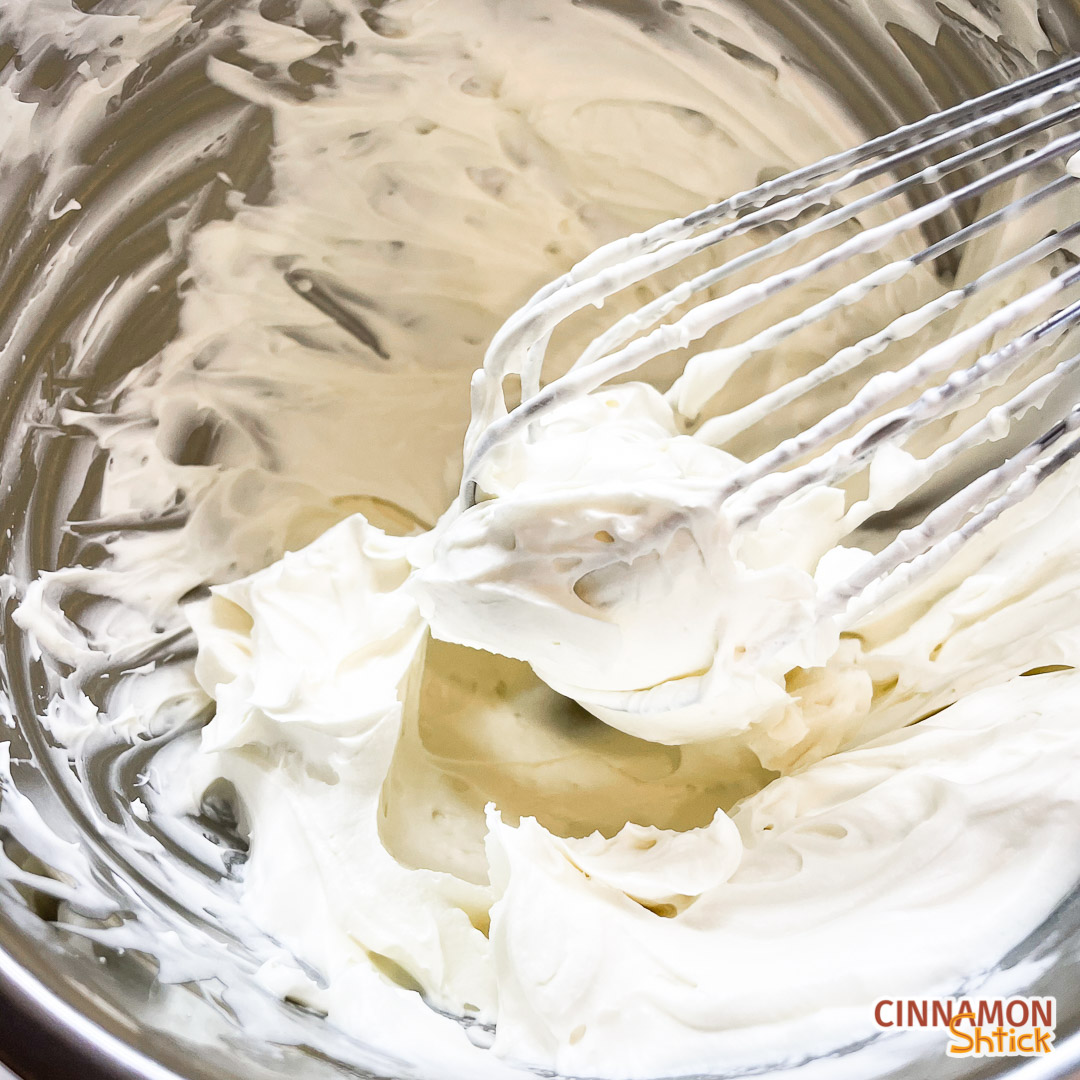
927	184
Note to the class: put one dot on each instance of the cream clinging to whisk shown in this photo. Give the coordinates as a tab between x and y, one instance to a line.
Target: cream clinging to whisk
595	553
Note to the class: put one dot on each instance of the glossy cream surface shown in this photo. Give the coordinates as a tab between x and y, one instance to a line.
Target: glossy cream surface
456	838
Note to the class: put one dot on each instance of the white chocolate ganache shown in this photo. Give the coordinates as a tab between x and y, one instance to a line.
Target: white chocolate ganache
411	700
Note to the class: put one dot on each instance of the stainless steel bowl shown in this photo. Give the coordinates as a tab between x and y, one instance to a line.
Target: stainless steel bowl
76	1004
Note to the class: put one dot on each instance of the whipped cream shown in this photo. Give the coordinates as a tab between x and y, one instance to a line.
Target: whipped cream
905	864
460	838
566	565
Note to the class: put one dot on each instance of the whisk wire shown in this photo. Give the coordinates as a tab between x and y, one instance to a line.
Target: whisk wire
629	325
523	339
918	551
995	140
709	314
847	456
722	427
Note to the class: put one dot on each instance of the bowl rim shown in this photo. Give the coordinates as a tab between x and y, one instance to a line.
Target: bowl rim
45	1037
